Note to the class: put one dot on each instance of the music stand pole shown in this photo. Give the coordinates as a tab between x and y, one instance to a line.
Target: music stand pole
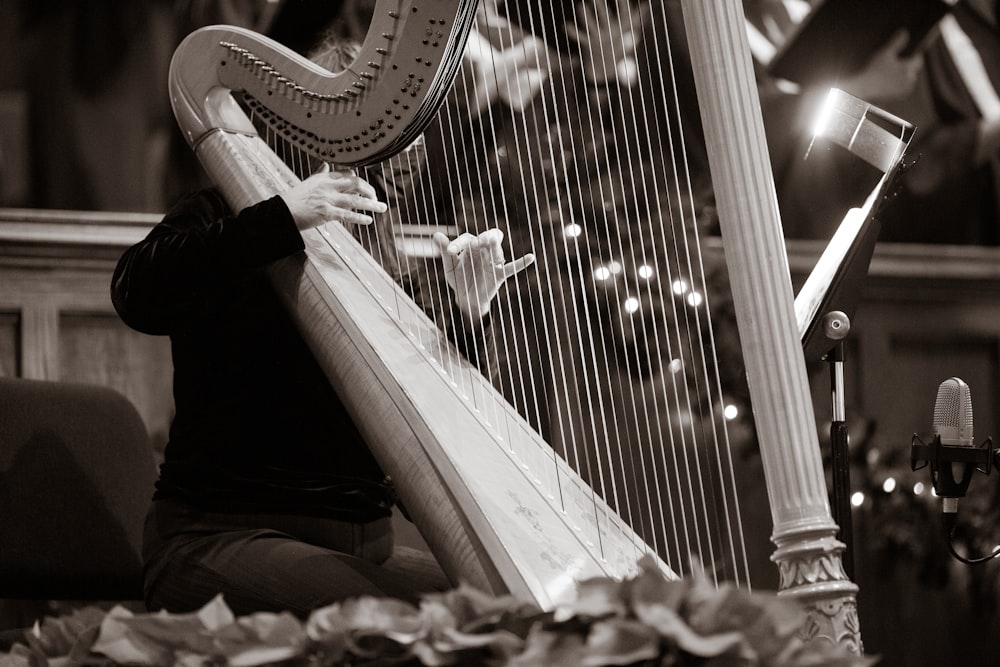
840	444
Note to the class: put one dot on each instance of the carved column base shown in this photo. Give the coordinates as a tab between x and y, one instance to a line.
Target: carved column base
812	573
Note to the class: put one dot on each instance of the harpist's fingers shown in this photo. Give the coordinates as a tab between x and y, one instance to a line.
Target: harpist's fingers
462	243
518	265
364	203
347	182
353	217
492	239
441	241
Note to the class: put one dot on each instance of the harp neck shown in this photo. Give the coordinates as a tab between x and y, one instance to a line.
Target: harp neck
362	115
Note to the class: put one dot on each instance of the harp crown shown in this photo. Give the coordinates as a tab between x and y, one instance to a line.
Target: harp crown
362	115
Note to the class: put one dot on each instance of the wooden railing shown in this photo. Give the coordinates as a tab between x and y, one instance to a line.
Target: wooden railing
925	313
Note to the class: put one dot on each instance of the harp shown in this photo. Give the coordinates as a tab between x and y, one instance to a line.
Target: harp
532	483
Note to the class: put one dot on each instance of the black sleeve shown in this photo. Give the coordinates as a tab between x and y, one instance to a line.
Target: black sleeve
199	249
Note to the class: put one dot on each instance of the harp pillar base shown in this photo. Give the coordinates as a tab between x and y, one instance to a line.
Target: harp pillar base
812	572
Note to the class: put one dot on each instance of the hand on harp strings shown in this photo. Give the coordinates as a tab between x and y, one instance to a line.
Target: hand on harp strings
332	195
475	269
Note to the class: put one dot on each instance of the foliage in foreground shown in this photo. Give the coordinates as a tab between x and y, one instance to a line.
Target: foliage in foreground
646	621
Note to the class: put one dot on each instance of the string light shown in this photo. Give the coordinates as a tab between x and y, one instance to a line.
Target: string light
857	499
731	412
679	287
889	485
602	273
919	488
646	271
606	271
572	231
631	304
695	299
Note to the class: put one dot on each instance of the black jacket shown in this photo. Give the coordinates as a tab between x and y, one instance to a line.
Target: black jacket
257	426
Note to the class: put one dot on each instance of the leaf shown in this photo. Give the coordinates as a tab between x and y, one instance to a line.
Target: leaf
129	644
367	627
396	619
470	607
672	627
620	642
552	649
767	622
651	587
55	637
22	656
596	598
264	639
211	632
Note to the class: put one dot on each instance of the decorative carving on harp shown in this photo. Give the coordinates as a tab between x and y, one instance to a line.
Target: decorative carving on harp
588	455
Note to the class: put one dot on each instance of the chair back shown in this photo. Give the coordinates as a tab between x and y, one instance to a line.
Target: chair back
76	475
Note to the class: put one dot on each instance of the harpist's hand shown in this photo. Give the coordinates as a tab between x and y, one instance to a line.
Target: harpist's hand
475	269
332	195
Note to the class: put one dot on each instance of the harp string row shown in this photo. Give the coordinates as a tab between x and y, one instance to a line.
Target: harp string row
593	522
583	396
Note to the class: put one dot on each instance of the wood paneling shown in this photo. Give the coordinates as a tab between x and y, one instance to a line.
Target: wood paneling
56	317
10	326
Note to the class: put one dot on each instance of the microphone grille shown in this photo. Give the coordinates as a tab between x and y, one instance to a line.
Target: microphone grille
953	407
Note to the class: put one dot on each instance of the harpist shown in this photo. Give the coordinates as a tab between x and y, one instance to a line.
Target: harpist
268	493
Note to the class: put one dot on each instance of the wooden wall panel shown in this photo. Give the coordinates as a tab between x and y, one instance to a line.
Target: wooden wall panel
100	349
56	317
10	326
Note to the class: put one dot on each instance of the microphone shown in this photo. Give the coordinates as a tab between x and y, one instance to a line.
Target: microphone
953	457
953	427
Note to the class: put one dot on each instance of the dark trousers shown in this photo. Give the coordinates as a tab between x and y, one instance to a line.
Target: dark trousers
274	562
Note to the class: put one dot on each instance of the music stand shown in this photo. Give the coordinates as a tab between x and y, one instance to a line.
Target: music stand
827	301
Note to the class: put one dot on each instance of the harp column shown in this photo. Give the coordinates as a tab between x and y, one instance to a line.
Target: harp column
808	554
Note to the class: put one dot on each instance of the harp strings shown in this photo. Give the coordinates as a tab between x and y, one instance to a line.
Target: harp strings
608	342
685	495
598	415
552	241
624	245
718	441
625	252
531	159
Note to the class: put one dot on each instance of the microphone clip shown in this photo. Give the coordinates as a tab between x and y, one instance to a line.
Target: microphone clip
940	457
